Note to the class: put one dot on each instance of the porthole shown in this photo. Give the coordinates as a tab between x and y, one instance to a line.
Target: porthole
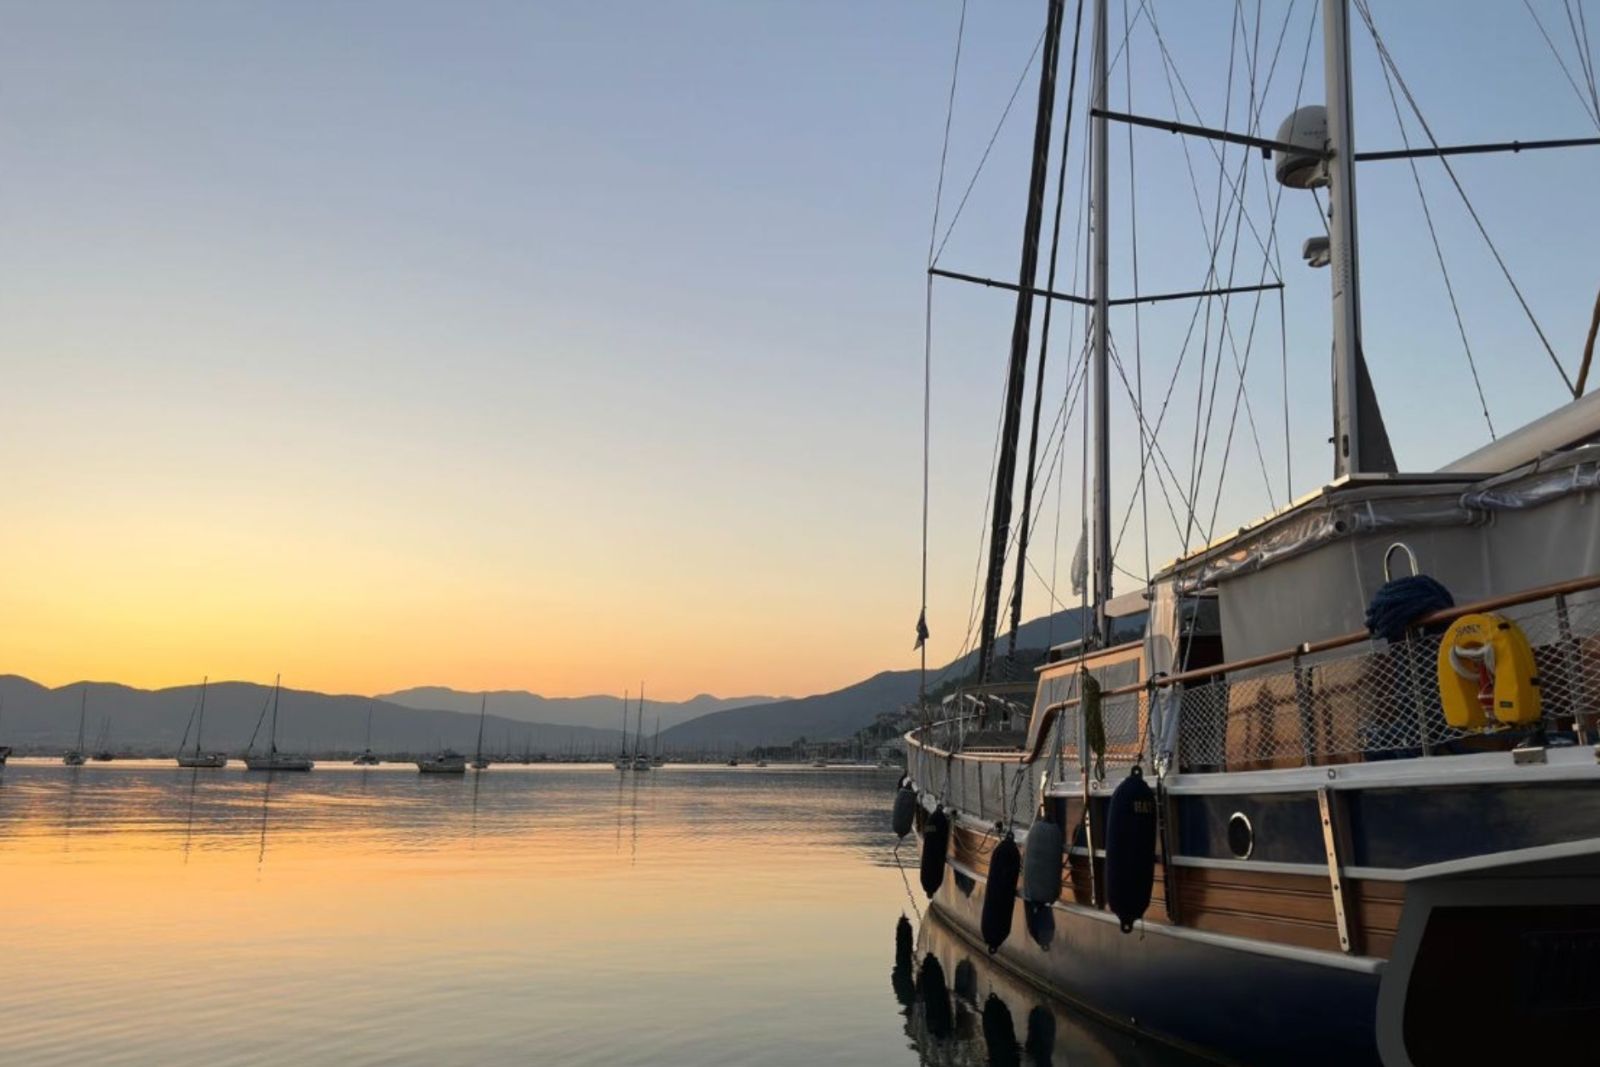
1241	836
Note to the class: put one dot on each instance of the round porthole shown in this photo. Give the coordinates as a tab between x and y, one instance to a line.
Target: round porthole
1241	836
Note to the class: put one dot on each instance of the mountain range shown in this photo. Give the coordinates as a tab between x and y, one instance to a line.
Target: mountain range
601	712
33	716
39	718
841	713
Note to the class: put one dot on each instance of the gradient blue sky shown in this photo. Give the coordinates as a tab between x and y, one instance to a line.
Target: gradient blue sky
557	345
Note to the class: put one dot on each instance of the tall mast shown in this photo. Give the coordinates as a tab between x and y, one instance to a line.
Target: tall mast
200	725
83	709
1016	379
1360	439
625	724
483	710
1099	196
368	746
638	736
273	746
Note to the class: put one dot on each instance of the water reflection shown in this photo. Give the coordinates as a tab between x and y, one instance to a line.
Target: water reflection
71	808
554	914
960	1007
266	802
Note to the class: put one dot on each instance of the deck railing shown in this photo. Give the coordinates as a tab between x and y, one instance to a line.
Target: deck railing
1309	704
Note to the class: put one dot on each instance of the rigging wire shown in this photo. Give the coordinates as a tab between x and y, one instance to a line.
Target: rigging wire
1219	225
1438	252
927	358
1004	114
949	116
1226	329
1591	109
1138	334
1170	69
1270	248
1212	238
1044	337
1283	309
1274	201
1580	44
1365	10
1588	54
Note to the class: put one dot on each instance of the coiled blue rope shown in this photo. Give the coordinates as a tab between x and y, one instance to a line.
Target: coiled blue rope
1402	601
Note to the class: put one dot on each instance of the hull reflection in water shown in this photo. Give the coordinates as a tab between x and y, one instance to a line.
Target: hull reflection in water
962	1007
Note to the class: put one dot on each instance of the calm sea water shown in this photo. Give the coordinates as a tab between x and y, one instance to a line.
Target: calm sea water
561	915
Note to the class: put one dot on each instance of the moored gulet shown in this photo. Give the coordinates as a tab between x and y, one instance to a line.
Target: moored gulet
272	759
1288	803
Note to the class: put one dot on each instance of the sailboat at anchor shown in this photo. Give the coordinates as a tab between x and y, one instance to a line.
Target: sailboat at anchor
272	759
198	758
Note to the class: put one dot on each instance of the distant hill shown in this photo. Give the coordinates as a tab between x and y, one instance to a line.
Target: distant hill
600	712
838	715
35	717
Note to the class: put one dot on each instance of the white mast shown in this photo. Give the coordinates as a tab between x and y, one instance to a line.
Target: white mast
273	737
483	710
1342	239
1099	195
201	722
638	736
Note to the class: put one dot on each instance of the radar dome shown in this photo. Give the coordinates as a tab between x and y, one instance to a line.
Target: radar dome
1307	130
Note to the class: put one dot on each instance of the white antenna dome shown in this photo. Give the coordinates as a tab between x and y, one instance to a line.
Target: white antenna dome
1307	130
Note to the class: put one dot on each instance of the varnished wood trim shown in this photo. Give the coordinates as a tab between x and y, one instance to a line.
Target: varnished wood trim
1273	906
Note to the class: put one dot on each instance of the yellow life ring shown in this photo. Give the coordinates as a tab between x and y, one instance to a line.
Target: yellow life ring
1487	676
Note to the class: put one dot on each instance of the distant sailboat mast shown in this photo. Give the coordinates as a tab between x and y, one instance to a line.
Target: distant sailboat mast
272	748
638	737
200	715
478	762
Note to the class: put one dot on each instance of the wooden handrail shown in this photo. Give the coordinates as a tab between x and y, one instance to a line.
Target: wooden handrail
1543	592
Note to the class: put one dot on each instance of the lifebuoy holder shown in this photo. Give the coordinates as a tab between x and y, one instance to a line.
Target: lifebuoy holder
1487	675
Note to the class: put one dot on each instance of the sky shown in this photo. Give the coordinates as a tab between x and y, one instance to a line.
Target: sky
557	346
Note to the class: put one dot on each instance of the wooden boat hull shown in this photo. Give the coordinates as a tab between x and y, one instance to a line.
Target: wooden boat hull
960	1006
1249	976
1196	992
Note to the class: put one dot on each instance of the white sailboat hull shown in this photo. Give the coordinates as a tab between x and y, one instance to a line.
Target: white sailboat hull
447	763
